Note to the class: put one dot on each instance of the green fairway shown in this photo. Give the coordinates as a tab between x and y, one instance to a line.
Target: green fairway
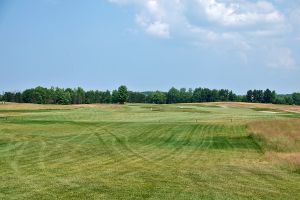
140	151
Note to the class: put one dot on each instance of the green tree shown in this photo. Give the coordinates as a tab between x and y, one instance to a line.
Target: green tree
122	94
32	96
42	92
232	96
159	97
185	96
223	95
173	96
79	96
62	97
18	97
288	100
249	96
115	96
214	96
198	95
258	96
9	97
50	97
269	96
90	97
107	97
136	97
296	98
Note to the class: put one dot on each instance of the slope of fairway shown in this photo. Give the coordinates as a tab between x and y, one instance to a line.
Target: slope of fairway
139	152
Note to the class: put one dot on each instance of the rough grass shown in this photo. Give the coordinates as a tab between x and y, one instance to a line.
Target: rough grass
289	160
287	108
280	139
131	152
279	135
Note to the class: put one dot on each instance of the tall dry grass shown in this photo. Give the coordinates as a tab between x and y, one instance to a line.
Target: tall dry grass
280	139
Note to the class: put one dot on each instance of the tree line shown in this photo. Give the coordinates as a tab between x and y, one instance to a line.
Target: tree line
55	95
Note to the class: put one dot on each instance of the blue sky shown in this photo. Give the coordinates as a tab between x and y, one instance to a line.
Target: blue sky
150	44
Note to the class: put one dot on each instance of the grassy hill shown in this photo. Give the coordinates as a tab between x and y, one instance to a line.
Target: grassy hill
143	151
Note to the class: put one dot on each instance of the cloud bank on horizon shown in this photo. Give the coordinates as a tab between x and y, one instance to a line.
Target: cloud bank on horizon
267	27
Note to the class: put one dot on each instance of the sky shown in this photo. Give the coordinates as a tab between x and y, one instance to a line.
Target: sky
150	44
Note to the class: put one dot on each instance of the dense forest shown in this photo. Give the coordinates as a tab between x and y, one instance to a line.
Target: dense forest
41	95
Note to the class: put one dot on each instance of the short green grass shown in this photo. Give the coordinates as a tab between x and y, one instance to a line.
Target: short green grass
138	151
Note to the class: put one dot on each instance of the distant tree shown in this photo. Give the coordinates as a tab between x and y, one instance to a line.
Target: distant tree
158	97
273	96
173	96
115	96
62	97
296	98
249	96
206	95
18	97
280	100
71	93
41	95
98	96
27	95
122	94
107	97
289	100
185	96
190	95
214	96
149	96
258	96
197	95
269	96
223	95
33	96
232	96
9	97
42	92
79	96
90	97
136	97
50	97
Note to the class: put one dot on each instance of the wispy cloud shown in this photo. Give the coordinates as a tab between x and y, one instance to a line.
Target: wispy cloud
281	58
241	24
240	13
229	14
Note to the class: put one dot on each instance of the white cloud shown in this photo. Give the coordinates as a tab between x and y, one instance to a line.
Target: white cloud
243	25
157	28
237	14
295	16
281	58
152	17
158	17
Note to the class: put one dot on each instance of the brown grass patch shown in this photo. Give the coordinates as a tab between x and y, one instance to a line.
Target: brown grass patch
292	159
99	106
204	105
278	135
286	108
280	139
28	106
